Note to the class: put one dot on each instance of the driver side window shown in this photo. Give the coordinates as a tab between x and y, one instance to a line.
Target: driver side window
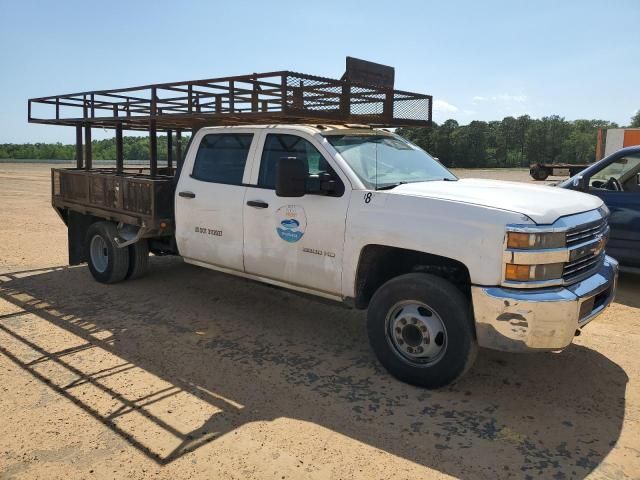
277	146
622	175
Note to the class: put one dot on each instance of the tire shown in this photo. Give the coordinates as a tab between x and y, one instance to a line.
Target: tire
138	260
107	262
539	173
428	316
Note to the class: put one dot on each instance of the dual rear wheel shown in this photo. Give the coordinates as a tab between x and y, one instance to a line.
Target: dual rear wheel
110	264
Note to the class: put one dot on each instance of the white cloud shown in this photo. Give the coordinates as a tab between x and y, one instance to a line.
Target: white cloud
501	98
505	97
441	106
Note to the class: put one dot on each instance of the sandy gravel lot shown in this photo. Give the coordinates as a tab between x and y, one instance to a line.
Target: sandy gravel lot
188	373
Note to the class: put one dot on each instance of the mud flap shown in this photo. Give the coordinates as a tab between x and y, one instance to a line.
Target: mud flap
77	226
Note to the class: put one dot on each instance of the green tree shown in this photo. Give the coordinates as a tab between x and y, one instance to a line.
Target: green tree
635	120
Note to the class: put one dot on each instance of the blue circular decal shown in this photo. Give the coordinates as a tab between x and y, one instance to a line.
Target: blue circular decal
291	223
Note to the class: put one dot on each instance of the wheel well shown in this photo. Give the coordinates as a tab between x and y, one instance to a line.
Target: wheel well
379	264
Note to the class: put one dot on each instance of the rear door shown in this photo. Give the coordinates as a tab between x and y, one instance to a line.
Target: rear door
295	240
210	198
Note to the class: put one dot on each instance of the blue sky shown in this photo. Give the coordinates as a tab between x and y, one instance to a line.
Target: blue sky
480	59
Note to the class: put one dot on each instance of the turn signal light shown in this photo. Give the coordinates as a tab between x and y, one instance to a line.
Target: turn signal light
517	273
518	240
536	273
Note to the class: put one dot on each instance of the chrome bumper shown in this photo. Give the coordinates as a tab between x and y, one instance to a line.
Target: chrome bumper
521	320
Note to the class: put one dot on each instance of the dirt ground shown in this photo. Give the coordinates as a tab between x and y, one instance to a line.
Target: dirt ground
188	373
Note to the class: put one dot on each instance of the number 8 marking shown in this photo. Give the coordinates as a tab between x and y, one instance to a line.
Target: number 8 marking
367	197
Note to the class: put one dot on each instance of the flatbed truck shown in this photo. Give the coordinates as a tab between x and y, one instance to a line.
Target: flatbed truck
295	181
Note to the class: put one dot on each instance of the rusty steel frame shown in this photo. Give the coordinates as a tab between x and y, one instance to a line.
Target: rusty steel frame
274	97
364	94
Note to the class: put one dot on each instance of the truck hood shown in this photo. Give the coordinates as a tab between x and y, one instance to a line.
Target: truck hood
542	204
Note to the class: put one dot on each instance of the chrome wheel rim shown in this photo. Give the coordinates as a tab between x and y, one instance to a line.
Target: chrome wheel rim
99	253
416	333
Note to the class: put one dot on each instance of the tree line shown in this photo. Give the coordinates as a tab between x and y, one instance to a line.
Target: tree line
511	142
134	148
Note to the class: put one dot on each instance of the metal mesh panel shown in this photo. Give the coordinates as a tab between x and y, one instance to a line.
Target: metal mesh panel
408	107
309	94
366	104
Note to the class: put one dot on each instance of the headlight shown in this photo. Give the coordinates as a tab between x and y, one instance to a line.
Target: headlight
526	273
526	241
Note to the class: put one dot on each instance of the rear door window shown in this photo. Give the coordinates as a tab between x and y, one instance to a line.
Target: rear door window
222	157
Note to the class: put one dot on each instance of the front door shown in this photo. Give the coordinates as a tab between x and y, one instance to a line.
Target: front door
295	240
210	199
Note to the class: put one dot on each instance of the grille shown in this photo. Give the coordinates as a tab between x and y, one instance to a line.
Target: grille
586	233
586	264
581	267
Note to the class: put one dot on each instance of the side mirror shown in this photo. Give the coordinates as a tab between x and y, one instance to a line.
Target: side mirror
580	183
291	174
638	178
321	183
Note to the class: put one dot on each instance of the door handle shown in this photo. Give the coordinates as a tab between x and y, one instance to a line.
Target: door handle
257	204
187	194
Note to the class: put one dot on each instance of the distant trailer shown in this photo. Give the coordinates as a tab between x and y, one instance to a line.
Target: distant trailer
541	171
618	138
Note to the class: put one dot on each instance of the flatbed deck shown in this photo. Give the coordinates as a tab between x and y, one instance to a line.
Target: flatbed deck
137	199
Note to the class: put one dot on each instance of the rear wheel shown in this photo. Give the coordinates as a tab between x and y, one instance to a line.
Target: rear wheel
421	330
138	259
107	262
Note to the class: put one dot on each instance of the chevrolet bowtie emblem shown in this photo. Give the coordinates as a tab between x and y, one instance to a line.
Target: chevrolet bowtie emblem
597	249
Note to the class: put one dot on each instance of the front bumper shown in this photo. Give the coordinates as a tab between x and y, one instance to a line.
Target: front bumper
521	320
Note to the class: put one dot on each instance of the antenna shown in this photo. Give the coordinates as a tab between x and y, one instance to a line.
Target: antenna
376	144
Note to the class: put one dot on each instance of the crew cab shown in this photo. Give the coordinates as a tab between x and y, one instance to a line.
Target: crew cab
291	179
616	180
362	216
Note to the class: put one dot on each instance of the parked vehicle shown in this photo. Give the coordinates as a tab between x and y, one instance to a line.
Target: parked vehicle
616	180
346	212
541	171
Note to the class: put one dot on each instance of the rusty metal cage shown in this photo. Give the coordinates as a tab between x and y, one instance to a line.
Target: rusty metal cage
365	94
276	97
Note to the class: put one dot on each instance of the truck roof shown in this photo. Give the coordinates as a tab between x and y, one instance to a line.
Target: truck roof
324	129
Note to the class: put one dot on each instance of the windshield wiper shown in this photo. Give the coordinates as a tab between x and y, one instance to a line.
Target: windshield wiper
391	185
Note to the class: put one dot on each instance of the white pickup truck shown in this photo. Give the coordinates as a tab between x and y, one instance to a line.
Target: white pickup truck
360	215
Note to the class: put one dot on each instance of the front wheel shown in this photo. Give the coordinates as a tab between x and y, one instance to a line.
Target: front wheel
421	330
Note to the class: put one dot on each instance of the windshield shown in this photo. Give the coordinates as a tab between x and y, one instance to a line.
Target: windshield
385	161
620	169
